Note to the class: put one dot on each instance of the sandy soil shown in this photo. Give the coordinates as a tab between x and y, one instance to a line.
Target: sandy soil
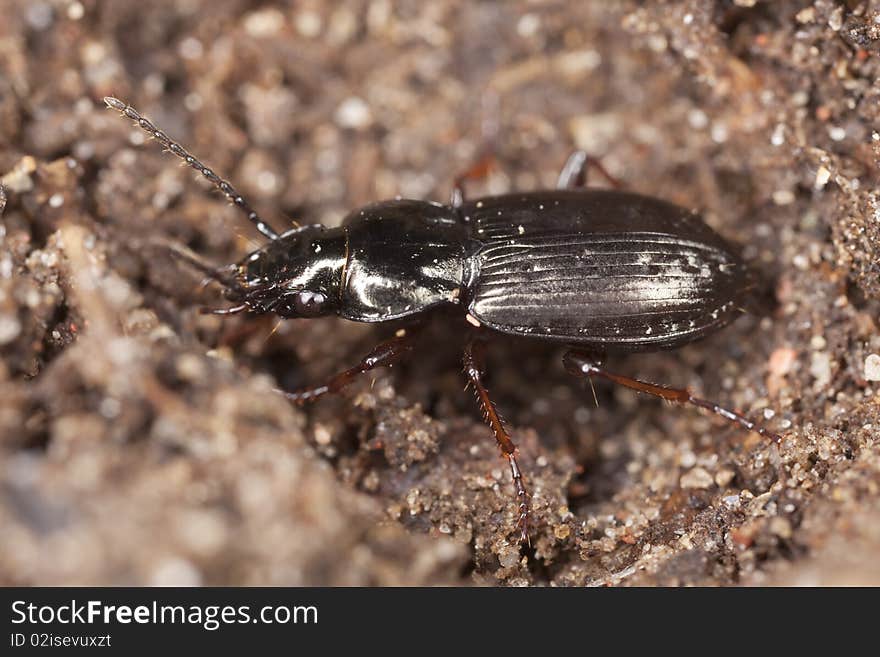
142	442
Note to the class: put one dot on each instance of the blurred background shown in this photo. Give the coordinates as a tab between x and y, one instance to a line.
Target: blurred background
142	443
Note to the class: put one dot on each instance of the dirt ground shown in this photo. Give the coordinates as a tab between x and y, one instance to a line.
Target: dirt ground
142	443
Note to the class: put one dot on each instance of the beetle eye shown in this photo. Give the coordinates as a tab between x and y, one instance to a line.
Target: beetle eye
308	304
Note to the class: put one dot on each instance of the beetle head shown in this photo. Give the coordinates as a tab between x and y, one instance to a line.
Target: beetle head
299	274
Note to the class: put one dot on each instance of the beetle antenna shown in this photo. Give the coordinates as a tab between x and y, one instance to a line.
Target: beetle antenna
224	186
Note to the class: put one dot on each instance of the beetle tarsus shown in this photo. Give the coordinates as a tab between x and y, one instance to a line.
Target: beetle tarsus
582	365
474	357
522	497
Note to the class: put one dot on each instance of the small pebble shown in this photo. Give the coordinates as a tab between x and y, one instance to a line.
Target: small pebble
807	15
872	367
39	15
783	197
696	478
528	25
837	133
781	527
354	113
731	500
835	21
19	179
191	48
75	11
264	23
508	557
10	327
820	367
724	477
309	24
782	360
175	571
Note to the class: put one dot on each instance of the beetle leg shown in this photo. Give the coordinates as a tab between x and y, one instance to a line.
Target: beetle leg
479	170
474	357
582	365
574	173
383	355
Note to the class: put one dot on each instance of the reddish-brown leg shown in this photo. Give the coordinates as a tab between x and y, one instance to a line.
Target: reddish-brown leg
384	354
474	358
582	364
574	173
479	170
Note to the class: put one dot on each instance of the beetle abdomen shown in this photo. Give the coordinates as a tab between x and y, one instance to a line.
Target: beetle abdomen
624	289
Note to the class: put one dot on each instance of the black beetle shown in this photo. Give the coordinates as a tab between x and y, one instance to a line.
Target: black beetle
600	270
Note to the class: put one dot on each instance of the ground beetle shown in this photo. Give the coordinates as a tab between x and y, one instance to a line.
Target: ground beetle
599	270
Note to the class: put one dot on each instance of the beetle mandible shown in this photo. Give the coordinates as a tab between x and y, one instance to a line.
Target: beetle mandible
599	270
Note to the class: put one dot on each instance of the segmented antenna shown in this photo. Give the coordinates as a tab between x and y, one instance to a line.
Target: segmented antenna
227	189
